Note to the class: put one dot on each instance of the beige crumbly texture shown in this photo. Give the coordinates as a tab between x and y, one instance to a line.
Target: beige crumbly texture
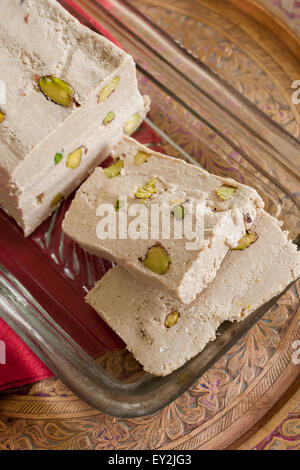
191	269
245	281
40	38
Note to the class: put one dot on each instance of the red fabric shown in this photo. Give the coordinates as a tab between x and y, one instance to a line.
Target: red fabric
22	365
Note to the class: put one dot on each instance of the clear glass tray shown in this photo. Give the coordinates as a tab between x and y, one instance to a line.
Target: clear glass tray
195	116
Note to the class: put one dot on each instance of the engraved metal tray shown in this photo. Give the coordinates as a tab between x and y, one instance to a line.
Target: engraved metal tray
196	116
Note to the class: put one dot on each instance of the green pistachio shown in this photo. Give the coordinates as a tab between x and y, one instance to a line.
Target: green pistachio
57	90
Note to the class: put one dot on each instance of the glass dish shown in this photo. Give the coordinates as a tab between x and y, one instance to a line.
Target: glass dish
43	279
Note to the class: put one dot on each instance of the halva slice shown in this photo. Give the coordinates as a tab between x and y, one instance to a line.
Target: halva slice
70	96
162	333
161	218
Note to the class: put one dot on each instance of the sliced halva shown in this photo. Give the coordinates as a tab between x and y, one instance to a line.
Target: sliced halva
142	189
162	333
70	95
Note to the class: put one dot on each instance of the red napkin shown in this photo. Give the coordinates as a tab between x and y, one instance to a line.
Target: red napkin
18	364
21	365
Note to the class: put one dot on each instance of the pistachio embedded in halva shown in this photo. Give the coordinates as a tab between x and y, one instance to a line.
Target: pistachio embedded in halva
146	191
109	118
132	124
157	260
114	169
57	200
178	212
141	157
74	159
171	319
246	241
225	192
57	90
108	90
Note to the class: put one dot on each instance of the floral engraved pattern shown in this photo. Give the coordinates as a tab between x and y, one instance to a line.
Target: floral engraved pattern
286	436
254	350
226	57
